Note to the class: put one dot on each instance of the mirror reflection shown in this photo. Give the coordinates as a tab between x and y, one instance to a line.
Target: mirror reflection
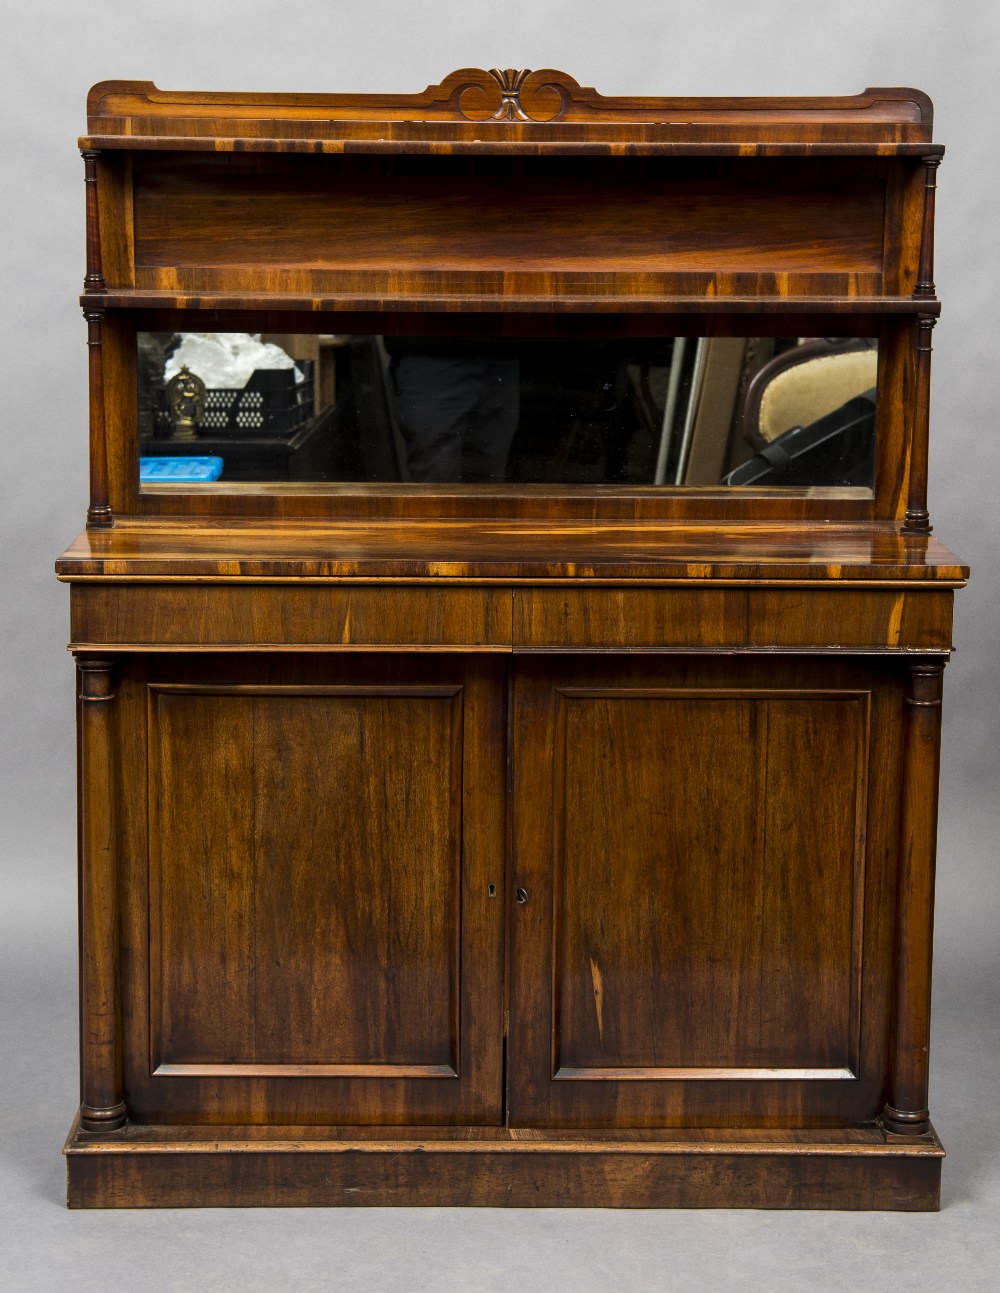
761	412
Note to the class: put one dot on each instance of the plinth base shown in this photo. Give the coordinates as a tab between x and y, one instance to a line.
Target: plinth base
185	1167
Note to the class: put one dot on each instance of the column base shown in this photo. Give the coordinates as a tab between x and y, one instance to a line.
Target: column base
100	1120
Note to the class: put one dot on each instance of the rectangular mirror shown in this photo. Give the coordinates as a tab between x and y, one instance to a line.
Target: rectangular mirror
757	412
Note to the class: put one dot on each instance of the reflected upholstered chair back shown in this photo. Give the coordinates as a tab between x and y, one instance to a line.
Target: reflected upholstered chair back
805	383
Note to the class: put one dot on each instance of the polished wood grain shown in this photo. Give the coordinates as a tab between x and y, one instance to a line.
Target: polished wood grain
626	311
239	616
917	517
842	1170
115	196
574	619
332	949
509	102
925	283
705	849
488	139
703	817
94	278
906	1110
847	619
511	551
181	616
312	930
503	845
102	1106
349	226
99	512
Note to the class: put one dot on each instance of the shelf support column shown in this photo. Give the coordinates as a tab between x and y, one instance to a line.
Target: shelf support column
94	279
906	1111
102	1105
99	512
917	520
925	274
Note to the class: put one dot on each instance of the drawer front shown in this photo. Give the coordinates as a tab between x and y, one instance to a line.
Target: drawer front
732	619
845	618
379	617
580	619
231	616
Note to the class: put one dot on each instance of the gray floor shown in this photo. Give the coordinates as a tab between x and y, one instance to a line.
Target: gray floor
45	1247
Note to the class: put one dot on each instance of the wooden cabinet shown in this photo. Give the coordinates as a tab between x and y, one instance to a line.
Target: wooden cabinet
557	836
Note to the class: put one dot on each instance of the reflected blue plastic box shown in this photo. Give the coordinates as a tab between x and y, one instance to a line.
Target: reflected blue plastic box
192	469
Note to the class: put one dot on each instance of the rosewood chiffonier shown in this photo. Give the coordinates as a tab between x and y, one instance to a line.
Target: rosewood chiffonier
510	642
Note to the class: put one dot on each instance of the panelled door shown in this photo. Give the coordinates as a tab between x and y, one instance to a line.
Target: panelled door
321	875
702	861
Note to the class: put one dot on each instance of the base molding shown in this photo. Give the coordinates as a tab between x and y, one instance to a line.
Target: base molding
184	1167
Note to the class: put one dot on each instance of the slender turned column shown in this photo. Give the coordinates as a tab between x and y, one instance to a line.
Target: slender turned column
94	280
99	511
925	275
917	519
102	1106
906	1110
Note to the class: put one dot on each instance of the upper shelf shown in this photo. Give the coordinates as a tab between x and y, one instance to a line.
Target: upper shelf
507	111
766	205
478	295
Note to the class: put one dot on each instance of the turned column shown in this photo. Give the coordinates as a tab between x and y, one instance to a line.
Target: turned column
906	1111
102	1106
94	280
925	274
99	511
917	520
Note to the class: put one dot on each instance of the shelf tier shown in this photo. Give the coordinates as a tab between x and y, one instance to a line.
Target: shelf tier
488	302
444	144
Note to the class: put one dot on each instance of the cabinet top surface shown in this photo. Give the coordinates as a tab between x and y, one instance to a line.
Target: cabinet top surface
507	110
506	552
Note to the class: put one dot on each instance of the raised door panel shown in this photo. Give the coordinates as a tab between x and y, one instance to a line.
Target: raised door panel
693	857
323	945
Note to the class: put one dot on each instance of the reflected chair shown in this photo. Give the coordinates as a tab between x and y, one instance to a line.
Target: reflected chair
804	384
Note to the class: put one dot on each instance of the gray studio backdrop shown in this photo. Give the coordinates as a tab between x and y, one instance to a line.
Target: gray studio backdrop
51	51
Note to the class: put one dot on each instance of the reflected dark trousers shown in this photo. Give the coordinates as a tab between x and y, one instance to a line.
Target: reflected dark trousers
457	415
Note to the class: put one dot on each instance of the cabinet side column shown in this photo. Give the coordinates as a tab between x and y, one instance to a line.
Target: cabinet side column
906	1111
94	279
925	274
99	511
917	520
102	1106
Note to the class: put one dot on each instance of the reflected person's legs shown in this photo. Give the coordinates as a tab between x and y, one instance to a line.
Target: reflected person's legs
494	423
435	399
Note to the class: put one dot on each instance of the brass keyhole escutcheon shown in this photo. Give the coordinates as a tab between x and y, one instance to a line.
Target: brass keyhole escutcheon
521	895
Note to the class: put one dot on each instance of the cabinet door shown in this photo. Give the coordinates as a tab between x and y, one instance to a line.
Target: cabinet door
325	850
701	931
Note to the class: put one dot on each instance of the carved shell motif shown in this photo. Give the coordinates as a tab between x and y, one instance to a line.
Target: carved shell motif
512	95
